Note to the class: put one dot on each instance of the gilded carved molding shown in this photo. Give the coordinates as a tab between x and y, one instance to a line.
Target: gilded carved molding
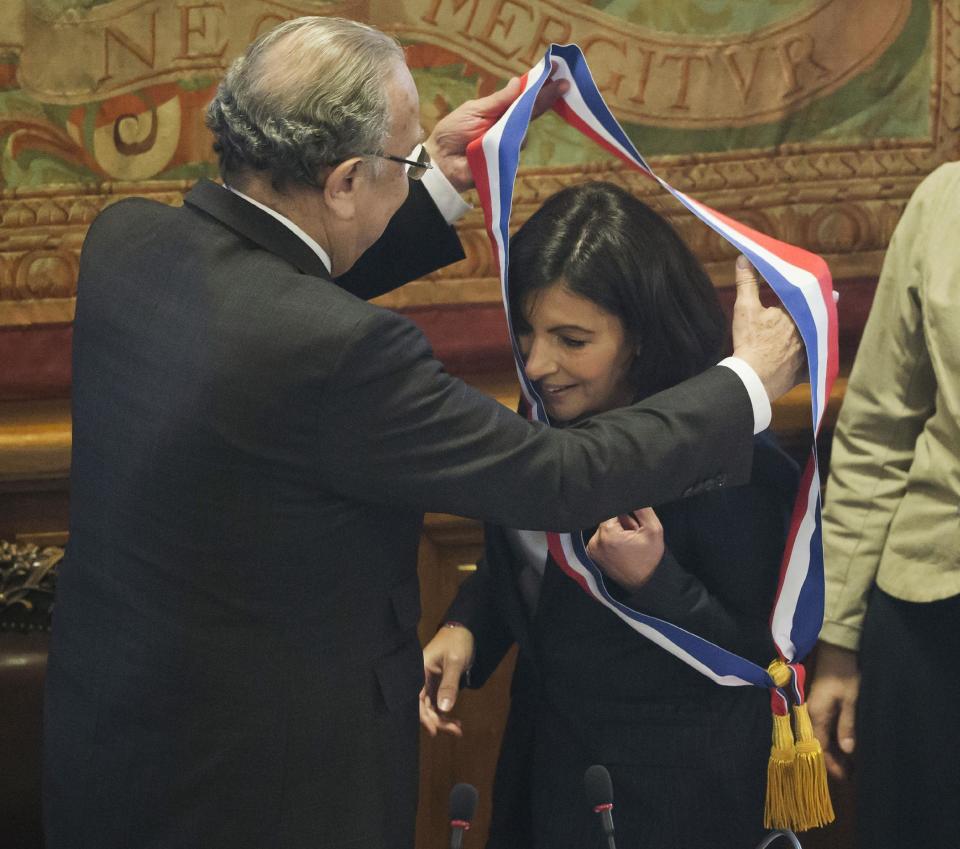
41	233
840	200
844	208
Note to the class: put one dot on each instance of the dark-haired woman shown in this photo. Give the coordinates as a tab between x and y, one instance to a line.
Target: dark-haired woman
609	306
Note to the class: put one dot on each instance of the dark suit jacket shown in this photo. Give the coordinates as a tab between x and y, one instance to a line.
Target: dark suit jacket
235	660
688	757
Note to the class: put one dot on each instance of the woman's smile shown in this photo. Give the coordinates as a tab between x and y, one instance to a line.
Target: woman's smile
575	352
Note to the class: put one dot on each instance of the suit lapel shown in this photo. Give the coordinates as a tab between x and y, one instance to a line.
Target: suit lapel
256	225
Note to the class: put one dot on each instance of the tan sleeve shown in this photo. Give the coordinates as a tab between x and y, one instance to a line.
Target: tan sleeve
889	398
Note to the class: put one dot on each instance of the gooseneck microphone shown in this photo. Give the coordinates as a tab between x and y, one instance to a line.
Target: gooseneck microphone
596	781
463	802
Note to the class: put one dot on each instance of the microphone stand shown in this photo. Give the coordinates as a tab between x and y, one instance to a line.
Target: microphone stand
773	835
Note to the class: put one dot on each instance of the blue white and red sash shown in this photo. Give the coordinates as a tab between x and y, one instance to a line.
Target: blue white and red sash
802	282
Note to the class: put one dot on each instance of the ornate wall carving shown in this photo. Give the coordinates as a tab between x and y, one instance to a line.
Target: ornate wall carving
40	239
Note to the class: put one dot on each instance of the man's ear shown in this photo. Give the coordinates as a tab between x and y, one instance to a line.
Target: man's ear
341	188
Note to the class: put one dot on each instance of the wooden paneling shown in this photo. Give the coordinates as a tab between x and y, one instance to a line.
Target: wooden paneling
448	551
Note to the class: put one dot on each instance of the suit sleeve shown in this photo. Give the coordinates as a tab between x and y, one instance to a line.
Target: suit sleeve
417	241
395	429
476	605
737	538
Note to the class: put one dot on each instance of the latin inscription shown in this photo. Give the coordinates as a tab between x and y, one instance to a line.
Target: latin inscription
645	76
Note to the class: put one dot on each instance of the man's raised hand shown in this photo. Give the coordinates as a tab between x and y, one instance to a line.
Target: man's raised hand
447	144
765	337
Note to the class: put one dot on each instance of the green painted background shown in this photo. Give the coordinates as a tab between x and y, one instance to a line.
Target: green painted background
889	100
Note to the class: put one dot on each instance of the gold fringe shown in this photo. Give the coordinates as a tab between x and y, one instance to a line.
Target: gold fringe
812	793
781	803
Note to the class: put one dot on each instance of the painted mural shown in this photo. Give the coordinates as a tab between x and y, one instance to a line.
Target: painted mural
101	91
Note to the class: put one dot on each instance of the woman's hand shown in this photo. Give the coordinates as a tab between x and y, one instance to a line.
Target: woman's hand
628	548
445	658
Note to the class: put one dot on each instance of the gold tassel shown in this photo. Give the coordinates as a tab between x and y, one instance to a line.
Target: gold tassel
814	807
781	803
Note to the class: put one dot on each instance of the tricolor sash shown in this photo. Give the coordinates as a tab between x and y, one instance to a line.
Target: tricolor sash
803	283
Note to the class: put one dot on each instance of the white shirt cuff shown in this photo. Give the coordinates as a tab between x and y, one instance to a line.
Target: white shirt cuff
762	413
452	207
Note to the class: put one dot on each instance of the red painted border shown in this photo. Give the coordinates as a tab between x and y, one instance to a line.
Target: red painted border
35	361
469	339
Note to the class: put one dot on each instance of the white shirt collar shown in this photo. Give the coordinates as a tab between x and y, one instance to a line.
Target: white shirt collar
314	246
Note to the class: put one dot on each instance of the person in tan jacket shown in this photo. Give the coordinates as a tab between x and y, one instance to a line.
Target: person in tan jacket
884	688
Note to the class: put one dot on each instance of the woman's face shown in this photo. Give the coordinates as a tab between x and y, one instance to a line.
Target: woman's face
575	352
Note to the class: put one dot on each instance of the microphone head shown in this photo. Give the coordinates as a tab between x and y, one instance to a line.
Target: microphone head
599	787
463	802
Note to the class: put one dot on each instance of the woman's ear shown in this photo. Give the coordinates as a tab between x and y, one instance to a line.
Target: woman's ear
341	188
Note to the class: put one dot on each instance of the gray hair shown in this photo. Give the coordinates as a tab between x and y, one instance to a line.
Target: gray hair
308	94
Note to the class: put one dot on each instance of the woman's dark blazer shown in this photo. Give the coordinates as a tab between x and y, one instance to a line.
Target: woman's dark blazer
687	756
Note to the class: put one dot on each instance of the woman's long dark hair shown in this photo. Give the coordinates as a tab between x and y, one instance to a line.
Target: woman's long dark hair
609	247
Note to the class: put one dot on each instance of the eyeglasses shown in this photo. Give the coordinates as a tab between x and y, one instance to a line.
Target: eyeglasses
415	168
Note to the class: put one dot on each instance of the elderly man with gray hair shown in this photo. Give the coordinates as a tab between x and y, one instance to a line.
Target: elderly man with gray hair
235	659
